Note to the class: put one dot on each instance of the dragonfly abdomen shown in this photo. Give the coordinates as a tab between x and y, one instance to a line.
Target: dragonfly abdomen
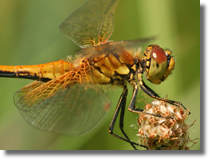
42	72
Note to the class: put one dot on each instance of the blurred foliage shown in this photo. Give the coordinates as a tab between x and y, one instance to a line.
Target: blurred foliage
29	35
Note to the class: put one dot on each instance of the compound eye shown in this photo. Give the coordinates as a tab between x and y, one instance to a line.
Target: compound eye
158	55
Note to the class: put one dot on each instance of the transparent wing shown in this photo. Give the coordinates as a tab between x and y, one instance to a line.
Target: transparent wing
133	43
91	24
114	47
69	110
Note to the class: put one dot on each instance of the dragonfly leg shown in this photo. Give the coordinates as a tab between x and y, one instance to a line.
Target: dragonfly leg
152	94
121	106
132	106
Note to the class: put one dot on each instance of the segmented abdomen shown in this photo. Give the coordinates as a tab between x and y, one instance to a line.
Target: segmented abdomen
43	72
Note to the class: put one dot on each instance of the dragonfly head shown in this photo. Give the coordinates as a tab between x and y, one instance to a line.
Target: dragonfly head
158	63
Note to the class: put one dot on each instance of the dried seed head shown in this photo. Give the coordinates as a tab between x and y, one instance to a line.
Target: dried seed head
164	133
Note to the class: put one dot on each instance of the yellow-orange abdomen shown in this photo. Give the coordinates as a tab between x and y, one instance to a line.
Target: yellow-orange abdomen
42	72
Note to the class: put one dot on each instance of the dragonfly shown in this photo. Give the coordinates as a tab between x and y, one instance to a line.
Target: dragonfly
66	96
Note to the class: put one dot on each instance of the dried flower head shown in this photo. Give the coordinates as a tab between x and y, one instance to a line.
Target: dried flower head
163	133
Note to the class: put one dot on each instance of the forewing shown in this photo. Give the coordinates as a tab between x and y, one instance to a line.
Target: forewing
114	47
91	24
71	110
132	43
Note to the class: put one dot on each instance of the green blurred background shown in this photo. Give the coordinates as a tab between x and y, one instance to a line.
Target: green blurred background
29	35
